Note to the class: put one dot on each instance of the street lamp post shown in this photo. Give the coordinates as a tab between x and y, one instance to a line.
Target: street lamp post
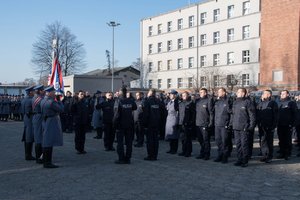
113	25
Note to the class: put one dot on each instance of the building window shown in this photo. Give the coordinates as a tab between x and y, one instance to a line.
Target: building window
259	29
203	39
246	32
180	24
169	64
179	63
230	13
230	35
202	61
169	45
159	84
190	82
217	81
278	75
203	17
230	58
150	83
258	54
216	15
245	80
191	21
246	7
169	83
159	65
203	81
150	48
159	29
150	66
150	30
246	56
231	80
159	47
180	43
191	42
179	83
191	62
216	58
216	37
169	26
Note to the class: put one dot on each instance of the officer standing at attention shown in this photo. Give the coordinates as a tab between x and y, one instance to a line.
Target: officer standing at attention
152	115
107	107
124	125
286	122
28	137
242	122
222	109
37	120
80	112
97	115
204	121
138	114
52	131
187	115
267	116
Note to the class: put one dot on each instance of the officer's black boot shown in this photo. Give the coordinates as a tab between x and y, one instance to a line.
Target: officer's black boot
47	155
38	153
99	133
28	151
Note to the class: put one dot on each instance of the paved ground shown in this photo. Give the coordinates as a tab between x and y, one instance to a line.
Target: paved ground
95	176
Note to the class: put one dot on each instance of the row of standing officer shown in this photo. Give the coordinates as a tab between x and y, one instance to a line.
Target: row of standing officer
10	107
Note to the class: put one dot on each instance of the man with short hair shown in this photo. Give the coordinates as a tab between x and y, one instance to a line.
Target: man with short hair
138	115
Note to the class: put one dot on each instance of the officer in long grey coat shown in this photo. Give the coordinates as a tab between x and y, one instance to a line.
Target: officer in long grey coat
172	132
28	137
52	131
37	120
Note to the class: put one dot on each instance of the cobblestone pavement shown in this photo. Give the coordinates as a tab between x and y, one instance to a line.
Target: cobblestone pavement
95	176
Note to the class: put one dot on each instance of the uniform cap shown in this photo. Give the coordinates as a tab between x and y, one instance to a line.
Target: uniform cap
98	92
28	89
39	87
49	88
173	92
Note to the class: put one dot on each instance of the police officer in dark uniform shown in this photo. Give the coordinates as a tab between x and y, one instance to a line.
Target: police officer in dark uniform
67	101
204	121
124	125
286	122
187	114
267	116
222	109
80	112
28	136
138	115
52	132
37	121
151	119
107	107
243	122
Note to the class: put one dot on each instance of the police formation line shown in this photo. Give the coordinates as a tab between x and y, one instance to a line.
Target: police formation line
120	116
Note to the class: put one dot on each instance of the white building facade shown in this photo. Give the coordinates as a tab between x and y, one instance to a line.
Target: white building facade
210	44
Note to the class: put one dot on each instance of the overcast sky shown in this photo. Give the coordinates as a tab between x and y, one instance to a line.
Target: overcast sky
22	21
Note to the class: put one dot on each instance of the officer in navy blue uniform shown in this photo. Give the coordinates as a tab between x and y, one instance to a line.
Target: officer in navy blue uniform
204	121
80	112
52	131
107	107
124	125
37	121
286	122
28	136
187	114
243	122
222	109
267	116
152	115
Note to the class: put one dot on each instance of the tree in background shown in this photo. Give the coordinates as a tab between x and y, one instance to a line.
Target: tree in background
71	52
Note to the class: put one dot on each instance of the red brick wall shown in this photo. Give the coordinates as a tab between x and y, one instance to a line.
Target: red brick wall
280	23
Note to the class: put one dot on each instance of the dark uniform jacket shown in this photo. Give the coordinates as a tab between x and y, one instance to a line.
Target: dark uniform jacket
267	113
287	112
80	111
152	113
107	107
187	113
204	112
243	115
123	116
138	113
223	110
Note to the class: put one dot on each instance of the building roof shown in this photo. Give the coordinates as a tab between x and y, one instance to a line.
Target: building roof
106	72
